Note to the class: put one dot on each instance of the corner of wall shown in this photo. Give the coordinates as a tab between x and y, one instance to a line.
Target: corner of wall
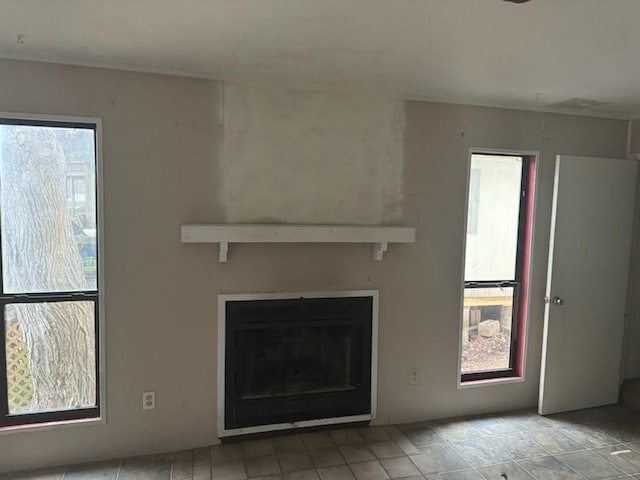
631	360
633	138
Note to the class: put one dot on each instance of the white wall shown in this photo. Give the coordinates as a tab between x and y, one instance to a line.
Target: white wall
160	167
437	140
163	167
301	156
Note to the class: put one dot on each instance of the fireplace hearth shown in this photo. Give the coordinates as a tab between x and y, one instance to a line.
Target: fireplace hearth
294	361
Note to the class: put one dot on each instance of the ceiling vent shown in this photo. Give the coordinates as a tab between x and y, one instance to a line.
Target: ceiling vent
576	103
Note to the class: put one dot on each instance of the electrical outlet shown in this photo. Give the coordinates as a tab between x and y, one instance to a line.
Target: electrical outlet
148	400
413	376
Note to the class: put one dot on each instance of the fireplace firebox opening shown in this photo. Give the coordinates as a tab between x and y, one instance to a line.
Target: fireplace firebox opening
296	360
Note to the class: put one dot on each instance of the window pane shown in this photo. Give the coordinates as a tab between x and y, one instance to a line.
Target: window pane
493	212
47	208
486	329
50	350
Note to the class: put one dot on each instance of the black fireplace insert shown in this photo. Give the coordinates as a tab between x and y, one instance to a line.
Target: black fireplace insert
289	360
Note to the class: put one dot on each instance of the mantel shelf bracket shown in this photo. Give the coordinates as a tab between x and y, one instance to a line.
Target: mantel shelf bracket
378	250
222	253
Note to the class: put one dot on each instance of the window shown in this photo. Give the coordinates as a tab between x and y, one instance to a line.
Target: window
496	266
49	287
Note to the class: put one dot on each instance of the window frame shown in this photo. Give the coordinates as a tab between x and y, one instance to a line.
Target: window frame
17	422
521	281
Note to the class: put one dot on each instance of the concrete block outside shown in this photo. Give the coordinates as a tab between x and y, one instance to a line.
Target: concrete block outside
465	326
489	328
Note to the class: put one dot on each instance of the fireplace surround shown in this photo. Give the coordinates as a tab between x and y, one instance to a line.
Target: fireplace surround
293	360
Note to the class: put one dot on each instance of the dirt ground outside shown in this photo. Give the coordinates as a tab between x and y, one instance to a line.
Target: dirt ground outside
485	353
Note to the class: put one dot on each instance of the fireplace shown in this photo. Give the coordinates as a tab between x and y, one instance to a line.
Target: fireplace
296	360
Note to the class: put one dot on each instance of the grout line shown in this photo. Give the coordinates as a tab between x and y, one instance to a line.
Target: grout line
475	470
119	468
275	454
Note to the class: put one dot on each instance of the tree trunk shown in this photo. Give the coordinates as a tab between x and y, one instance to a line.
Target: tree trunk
40	254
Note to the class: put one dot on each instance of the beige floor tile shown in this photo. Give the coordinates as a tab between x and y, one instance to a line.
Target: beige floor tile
374	434
310	474
592	467
621	456
455	429
226	452
393	431
479	452
399	467
407	447
325	457
262	466
93	471
438	459
289	443
258	448
316	440
201	464
388	449
468	474
510	470
234	470
347	436
294	461
371	470
339	472
356	453
152	467
55	473
554	441
182	465
549	468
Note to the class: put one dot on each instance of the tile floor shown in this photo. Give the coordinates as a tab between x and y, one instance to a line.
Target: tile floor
595	444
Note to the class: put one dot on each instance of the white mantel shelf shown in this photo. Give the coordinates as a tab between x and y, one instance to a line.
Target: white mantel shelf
225	234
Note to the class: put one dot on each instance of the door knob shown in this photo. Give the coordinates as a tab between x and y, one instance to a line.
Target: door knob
557	301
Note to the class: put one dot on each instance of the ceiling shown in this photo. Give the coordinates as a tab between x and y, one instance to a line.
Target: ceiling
481	52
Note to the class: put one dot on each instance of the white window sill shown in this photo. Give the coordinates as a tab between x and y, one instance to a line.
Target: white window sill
489	382
51	425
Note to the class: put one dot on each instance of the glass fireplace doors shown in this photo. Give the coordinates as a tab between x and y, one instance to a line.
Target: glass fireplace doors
289	360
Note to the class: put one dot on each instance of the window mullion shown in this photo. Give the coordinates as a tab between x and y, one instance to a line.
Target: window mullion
47	297
522	218
490	283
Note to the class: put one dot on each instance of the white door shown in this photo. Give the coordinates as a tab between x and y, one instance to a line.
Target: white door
589	253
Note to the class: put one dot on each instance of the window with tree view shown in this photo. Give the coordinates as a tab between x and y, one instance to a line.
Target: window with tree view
49	263
496	265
